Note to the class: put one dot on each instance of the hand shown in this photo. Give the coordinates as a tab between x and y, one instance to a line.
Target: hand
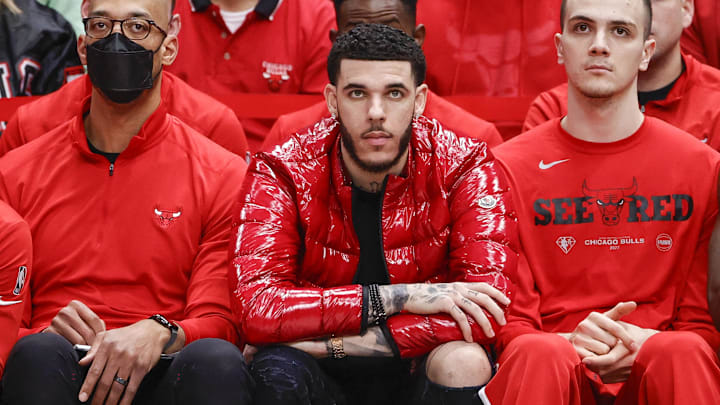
599	333
459	300
615	366
249	352
128	353
77	323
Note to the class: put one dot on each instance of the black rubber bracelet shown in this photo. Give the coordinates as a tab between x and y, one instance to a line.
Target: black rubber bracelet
167	324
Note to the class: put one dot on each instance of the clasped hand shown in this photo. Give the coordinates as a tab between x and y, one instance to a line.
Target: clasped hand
608	346
119	358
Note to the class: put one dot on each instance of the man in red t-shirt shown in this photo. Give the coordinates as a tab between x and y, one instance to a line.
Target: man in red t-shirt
401	15
254	46
491	48
15	265
615	210
675	88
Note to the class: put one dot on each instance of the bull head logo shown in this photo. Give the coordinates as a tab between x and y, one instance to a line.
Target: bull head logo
610	201
165	218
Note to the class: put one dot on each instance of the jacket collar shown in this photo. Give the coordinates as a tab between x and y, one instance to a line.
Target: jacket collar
685	80
154	130
264	8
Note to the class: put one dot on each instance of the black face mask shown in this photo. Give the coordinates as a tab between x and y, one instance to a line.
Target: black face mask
120	68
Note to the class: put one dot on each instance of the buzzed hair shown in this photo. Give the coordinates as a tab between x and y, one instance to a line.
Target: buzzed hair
648	21
376	42
410	7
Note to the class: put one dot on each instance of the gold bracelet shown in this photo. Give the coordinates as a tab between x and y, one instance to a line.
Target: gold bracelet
337	347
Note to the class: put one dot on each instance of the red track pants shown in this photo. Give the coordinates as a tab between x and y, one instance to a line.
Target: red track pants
671	368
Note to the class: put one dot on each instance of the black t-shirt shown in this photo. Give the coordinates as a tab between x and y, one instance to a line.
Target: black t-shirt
367	217
111	157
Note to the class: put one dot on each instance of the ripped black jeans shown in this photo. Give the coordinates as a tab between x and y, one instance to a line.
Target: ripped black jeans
284	375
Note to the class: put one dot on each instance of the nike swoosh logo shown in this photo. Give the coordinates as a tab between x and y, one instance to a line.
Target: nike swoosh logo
544	166
6	303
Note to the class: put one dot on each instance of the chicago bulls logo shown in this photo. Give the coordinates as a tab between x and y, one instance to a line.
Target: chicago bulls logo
610	201
166	218
276	74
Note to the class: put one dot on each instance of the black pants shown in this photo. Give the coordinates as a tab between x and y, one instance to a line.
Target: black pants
43	369
285	375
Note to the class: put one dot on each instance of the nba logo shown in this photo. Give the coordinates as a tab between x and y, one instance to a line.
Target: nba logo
20	283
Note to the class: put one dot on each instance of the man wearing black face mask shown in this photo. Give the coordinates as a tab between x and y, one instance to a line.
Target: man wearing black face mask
129	212
201	112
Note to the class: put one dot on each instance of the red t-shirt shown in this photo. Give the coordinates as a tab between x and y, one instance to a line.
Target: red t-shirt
203	113
456	119
491	48
15	264
604	223
148	234
702	38
280	48
691	105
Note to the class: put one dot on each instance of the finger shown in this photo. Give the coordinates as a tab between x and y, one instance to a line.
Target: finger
116	388
614	329
89	317
489	290
596	363
462	321
583	353
620	310
90	356
98	357
590	329
471	308
488	304
594	346
67	332
105	384
79	326
132	388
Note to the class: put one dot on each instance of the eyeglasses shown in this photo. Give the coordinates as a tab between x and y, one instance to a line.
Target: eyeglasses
133	28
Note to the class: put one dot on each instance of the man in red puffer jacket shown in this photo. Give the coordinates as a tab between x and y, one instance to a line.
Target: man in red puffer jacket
378	235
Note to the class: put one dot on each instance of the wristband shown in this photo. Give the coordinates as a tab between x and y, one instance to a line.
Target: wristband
167	324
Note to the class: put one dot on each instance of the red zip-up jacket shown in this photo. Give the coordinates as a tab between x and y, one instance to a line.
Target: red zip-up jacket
691	105
702	38
147	234
446	218
198	110
15	265
454	117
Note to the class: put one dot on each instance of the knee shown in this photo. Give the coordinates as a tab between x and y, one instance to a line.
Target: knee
40	348
214	358
459	364
546	349
674	347
281	366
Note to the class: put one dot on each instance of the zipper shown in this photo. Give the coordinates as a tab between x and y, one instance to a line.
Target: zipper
380	228
112	169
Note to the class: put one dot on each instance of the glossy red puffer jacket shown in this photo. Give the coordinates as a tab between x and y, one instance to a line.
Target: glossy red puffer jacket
447	218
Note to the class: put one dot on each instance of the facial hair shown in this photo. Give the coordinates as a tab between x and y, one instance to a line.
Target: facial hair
374	167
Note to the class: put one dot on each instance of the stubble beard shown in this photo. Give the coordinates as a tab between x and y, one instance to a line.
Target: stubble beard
374	167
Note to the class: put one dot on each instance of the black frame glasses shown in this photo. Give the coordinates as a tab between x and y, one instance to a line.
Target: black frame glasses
111	24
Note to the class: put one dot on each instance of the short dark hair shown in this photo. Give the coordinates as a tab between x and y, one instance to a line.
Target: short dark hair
376	42
410	7
646	3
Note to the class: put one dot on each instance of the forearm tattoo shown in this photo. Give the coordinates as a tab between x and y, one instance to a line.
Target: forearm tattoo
372	343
